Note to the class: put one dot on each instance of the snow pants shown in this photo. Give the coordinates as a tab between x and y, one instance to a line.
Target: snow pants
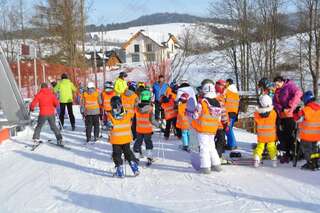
185	137
70	113
286	134
231	139
138	143
134	127
309	149
52	122
169	124
220	141
272	150
92	121
208	153
117	151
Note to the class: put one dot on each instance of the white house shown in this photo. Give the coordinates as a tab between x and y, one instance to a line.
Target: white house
145	47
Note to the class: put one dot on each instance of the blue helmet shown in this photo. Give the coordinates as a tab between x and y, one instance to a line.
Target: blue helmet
132	85
307	97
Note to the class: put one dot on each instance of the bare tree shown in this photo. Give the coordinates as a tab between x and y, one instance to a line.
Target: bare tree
63	21
309	22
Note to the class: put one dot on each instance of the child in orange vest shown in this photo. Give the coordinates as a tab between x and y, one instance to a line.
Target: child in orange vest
183	122
170	114
90	108
145	120
106	96
309	131
206	121
265	118
121	137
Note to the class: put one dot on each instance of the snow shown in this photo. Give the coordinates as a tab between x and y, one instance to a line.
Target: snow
56	180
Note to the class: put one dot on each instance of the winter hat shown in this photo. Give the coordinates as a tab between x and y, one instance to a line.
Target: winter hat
91	85
184	97
108	86
308	97
64	76
117	108
265	101
263	83
220	86
132	85
123	75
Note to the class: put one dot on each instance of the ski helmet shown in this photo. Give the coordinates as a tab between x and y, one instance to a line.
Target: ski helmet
117	108
308	97
263	83
265	101
108	86
132	85
145	95
208	89
91	85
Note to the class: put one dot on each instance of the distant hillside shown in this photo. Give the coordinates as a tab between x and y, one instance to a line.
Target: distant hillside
153	19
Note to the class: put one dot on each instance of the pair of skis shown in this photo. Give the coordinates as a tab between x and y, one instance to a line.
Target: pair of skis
36	146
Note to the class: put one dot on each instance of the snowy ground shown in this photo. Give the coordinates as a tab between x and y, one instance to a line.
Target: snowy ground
56	180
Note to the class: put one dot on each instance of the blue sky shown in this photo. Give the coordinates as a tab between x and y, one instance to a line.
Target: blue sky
107	11
117	11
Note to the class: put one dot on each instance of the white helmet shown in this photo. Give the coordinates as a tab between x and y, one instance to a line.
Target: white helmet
91	85
265	101
209	90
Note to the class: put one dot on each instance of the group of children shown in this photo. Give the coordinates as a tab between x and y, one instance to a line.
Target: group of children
209	118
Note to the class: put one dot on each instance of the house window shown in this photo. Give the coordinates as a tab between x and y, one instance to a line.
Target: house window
151	57
149	47
135	58
136	48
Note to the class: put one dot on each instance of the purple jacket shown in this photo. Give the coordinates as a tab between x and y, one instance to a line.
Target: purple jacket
287	97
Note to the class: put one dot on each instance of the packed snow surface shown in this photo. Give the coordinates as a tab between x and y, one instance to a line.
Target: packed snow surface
52	179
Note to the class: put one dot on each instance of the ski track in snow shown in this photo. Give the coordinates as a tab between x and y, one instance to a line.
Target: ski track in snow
52	179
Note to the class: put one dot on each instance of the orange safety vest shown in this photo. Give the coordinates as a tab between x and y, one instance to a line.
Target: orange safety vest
91	101
128	102
144	125
266	127
206	123
222	100
232	101
310	126
182	119
106	100
169	109
121	131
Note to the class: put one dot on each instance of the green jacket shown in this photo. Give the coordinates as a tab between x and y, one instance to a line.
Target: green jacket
65	88
120	86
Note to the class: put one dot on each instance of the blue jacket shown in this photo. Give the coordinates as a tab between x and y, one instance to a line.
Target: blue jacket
159	91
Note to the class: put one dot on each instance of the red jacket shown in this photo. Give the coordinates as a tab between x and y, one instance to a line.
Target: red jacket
47	102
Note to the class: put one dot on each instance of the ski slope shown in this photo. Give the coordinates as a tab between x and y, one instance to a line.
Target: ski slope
51	179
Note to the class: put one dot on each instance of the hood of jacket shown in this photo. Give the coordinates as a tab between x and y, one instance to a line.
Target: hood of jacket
232	88
314	105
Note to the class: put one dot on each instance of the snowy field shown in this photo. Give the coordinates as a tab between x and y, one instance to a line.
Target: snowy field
52	179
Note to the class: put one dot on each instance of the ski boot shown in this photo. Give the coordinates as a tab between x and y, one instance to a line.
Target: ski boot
186	148
310	165
206	171
60	142
134	167
285	159
256	161
216	168
36	141
274	162
119	172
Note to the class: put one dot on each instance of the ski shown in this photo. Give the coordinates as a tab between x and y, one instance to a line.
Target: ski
35	146
58	145
240	161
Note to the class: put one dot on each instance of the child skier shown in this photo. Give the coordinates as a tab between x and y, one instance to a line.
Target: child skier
121	137
145	119
220	138
47	103
265	118
183	122
106	96
206	121
170	113
309	130
90	107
